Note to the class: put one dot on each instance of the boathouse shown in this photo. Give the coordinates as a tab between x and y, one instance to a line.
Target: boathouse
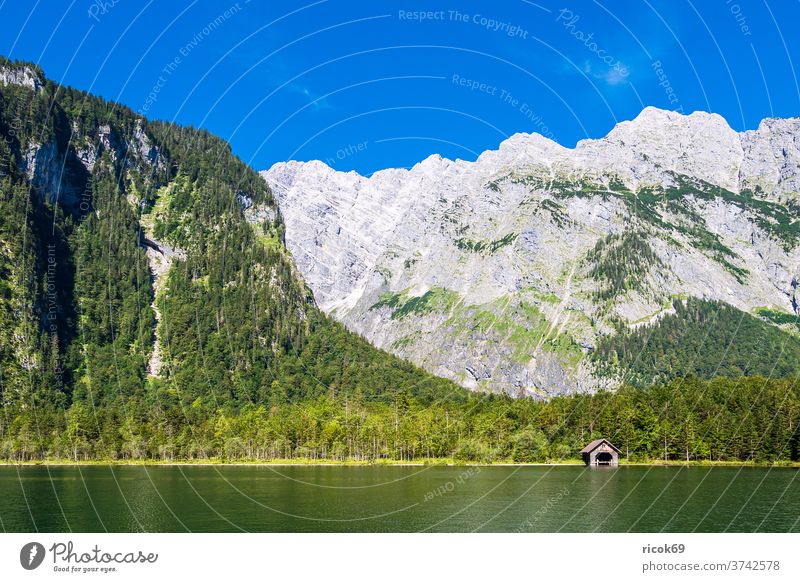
600	452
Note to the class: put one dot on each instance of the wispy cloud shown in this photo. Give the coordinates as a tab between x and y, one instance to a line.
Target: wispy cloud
611	75
317	102
277	69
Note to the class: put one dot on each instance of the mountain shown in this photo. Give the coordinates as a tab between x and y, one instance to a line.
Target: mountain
539	269
145	284
150	310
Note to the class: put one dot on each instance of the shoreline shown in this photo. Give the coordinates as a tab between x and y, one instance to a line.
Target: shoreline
380	463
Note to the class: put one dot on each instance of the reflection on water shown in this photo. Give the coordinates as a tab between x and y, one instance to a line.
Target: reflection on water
509	499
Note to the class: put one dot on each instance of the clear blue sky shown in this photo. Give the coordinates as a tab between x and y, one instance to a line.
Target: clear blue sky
368	85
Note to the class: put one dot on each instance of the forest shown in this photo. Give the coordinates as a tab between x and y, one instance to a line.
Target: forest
703	338
737	420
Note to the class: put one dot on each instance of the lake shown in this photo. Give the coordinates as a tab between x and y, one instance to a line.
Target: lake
397	499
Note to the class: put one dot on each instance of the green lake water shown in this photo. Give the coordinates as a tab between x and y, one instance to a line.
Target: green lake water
398	499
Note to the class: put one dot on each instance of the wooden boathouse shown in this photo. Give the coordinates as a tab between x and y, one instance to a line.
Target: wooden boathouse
600	452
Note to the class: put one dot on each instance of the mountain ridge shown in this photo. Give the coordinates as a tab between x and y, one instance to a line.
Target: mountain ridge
649	112
713	210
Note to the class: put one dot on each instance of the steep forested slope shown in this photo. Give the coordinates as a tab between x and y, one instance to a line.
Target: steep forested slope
121	237
700	338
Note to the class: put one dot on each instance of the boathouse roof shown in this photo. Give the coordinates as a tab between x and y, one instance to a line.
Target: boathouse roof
596	443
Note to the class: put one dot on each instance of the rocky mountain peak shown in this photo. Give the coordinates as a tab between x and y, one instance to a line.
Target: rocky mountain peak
503	273
643	151
21	74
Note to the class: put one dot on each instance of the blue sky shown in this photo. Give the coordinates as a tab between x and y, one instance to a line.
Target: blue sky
369	85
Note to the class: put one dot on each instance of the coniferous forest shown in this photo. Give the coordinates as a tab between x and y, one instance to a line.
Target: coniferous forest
247	366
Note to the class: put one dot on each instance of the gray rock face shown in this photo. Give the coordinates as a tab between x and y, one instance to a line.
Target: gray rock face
41	166
58	175
498	273
21	75
771	158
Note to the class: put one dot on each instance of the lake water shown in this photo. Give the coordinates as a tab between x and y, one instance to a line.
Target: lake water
398	499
